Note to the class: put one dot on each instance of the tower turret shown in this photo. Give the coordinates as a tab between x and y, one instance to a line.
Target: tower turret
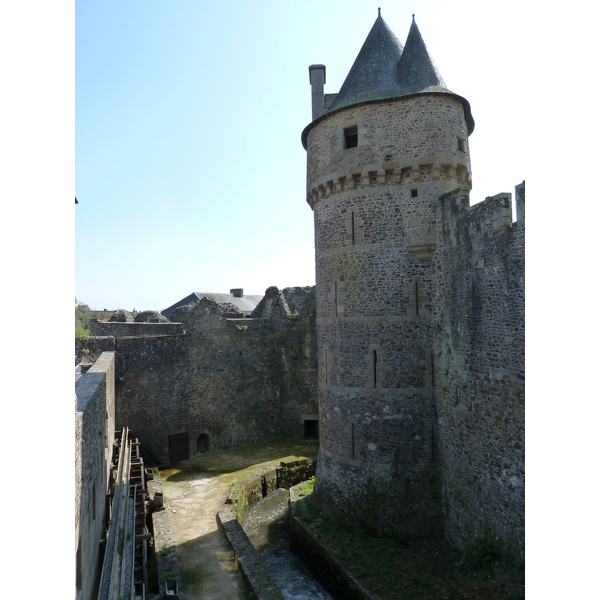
379	154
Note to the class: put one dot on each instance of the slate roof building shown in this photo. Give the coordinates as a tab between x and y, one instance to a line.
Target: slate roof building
246	303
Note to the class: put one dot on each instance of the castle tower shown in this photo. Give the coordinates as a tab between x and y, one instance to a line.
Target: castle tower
379	154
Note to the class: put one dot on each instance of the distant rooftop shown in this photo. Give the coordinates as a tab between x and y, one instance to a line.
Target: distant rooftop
246	303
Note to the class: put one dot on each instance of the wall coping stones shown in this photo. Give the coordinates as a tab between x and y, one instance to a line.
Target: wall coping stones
86	386
247	559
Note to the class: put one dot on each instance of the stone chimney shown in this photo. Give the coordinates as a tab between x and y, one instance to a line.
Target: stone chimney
316	74
237	292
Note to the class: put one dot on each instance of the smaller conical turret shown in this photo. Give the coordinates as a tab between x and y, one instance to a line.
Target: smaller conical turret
373	74
416	70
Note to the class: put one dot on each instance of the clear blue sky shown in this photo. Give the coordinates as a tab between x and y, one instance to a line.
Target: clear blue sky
189	168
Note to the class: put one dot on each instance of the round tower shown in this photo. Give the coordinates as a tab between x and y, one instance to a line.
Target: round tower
379	154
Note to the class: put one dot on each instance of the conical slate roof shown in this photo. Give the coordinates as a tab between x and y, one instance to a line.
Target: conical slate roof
385	69
416	70
373	74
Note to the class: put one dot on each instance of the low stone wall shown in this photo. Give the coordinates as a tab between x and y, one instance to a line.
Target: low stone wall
247	560
94	436
232	514
250	491
118	329
339	582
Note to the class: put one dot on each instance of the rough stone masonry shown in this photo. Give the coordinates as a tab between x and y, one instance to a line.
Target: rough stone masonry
420	324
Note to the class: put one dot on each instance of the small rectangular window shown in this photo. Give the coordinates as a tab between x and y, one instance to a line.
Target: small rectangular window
351	136
461	145
311	429
374	368
414	193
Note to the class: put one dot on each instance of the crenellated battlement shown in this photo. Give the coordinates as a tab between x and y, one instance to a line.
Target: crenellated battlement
488	217
408	174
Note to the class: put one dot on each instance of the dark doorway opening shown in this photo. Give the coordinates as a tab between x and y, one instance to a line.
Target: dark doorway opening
179	447
203	443
311	429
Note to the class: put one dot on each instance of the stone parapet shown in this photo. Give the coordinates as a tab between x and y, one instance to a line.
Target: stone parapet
118	329
95	427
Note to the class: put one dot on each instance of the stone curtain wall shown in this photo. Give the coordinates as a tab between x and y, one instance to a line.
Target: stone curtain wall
235	381
152	391
479	358
94	437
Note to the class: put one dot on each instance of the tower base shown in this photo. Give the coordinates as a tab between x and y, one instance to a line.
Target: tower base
406	503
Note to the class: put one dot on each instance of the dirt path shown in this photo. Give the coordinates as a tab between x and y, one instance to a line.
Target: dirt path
194	492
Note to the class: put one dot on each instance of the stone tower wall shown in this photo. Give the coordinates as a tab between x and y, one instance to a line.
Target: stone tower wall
376	222
413	131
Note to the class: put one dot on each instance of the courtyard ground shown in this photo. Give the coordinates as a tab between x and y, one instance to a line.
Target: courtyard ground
393	569
194	491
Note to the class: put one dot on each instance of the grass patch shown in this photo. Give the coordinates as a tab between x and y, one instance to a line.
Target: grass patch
233	464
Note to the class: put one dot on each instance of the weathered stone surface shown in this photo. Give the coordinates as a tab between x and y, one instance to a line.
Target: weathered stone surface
230	311
124	329
225	382
419	325
273	305
232	514
121	316
88	350
373	204
295	297
94	436
479	351
150	316
181	314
